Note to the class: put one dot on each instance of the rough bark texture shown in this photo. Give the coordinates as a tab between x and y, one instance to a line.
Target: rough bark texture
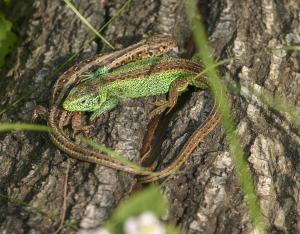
205	195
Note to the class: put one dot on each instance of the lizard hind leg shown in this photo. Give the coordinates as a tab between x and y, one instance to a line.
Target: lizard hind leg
176	88
200	82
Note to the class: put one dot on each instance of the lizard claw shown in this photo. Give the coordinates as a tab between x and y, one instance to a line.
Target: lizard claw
161	107
39	112
85	129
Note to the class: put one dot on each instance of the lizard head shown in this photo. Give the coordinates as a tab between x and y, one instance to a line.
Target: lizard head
81	100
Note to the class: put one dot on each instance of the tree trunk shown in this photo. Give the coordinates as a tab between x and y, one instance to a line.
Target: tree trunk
205	194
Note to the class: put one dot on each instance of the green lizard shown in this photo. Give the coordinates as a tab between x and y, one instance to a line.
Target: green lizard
102	64
145	77
58	118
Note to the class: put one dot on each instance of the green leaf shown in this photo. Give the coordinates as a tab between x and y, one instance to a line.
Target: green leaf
4	127
150	199
7	38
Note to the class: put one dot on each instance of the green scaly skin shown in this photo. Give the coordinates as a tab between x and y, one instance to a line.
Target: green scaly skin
145	77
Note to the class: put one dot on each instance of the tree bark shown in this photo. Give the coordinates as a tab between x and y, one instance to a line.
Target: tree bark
205	194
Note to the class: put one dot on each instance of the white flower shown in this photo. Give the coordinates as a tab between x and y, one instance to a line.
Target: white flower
146	223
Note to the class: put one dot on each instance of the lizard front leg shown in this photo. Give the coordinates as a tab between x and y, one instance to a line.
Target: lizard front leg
79	124
109	104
